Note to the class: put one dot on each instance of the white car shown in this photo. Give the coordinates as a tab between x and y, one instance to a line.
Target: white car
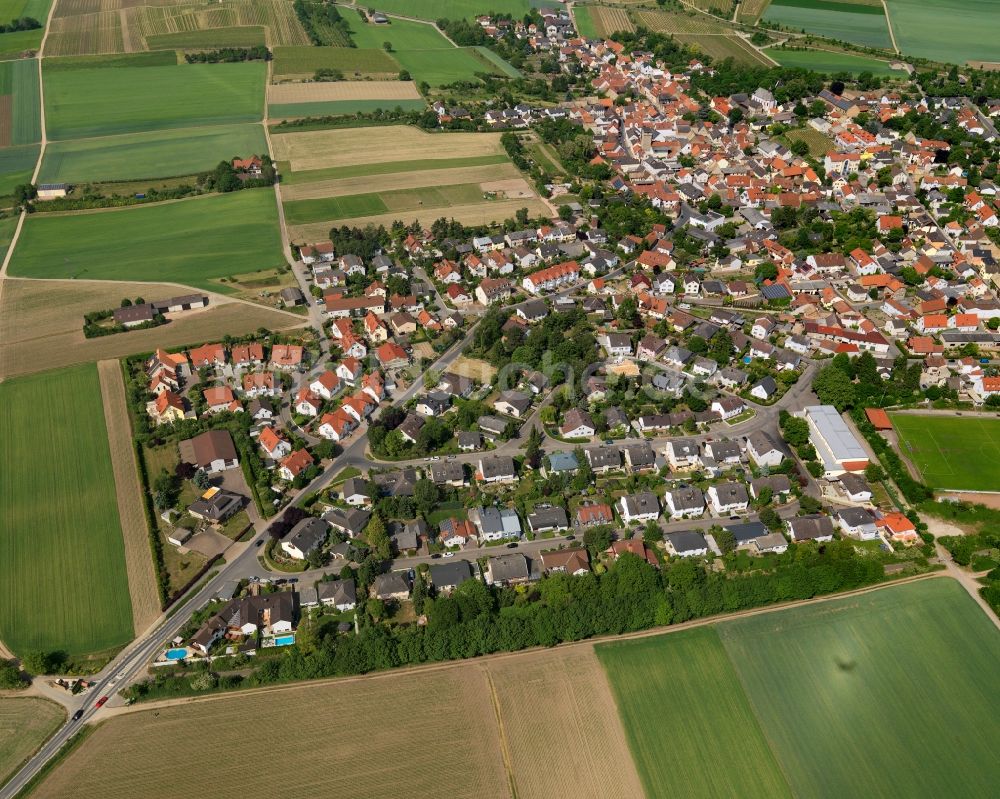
448	555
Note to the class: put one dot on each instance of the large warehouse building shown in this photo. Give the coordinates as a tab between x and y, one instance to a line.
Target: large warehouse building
838	448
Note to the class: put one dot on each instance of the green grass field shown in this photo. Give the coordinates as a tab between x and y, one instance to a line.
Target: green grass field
62	560
952	452
301	212
456	9
495	60
849	22
422	51
947	30
386	168
887	694
16	166
829	62
683	711
19	79
339	108
13	44
34	720
73	63
350	60
211	39
99	102
158	154
893	693
7	227
189	241
584	22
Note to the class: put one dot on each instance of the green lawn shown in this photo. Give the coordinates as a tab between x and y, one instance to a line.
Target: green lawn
190	241
301	212
892	693
20	80
689	725
849	22
388	168
947	30
62	560
441	67
158	154
98	102
952	452
339	108
306	60
829	62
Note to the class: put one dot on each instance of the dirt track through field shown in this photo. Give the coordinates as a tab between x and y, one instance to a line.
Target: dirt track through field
138	558
323	149
342	90
343	187
474	214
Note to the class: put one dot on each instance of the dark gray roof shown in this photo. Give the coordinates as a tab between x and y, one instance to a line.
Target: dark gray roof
450	575
686	540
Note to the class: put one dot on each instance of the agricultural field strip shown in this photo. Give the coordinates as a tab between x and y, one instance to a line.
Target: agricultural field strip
723	46
290	178
138	557
473	214
955	31
20	121
830	61
859	23
340	108
394	201
304	61
62	566
324	149
342	90
876	677
398	181
115	762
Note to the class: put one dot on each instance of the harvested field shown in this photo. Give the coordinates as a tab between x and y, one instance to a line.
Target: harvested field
138	557
290	178
41	322
722	47
609	20
26	722
323	149
470	214
474	368
342	90
399	181
451	708
558	702
304	61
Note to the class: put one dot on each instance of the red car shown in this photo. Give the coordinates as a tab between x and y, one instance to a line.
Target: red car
101	701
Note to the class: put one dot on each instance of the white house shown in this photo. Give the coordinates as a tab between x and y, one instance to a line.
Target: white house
729	497
641	507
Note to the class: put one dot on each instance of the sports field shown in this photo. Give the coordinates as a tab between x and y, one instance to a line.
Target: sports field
950	451
681	705
891	693
858	23
352	61
947	30
26	722
62	560
99	102
224	234
830	62
157	154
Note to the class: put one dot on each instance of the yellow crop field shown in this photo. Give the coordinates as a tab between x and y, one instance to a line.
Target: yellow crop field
41	322
323	149
342	90
422	733
344	187
561	726
138	558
